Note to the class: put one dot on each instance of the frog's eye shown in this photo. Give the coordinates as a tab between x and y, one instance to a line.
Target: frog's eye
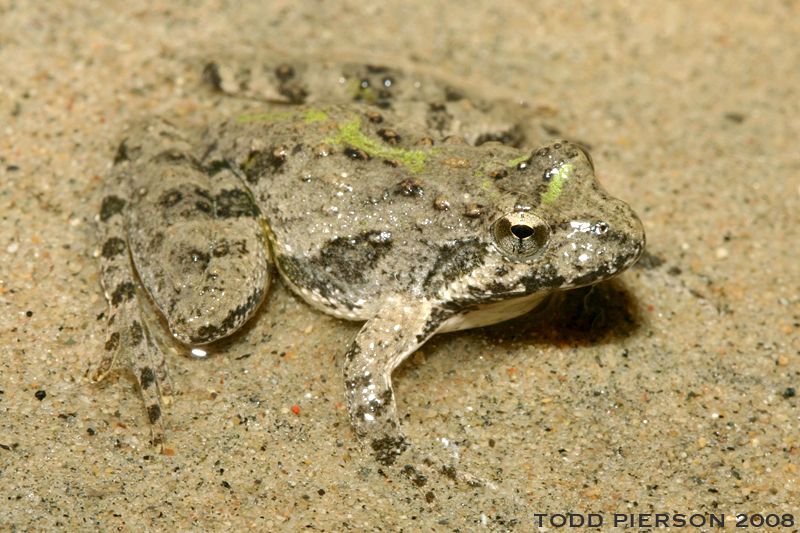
520	236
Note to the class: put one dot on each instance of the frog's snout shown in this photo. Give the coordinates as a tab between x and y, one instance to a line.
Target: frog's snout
631	237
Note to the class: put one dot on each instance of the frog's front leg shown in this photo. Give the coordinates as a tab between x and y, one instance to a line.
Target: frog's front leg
399	328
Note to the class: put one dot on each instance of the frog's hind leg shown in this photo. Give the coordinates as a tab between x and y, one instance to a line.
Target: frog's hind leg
145	367
127	332
383	343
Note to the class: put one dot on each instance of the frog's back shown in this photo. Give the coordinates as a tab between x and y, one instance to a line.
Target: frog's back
395	186
411	93
360	206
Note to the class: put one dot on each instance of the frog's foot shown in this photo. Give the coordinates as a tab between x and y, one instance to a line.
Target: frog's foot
146	361
416	465
393	449
385	340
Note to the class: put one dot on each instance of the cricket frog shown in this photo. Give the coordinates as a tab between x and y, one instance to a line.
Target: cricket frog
376	195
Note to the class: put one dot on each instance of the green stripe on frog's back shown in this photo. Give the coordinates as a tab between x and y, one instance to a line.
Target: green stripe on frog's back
557	178
264	117
312	115
309	116
350	133
519	160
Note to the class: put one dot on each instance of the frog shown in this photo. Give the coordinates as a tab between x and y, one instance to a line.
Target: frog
392	199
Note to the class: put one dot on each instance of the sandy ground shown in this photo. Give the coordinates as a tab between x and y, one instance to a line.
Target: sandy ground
670	390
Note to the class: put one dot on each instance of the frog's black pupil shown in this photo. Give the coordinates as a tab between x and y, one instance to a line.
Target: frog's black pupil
521	231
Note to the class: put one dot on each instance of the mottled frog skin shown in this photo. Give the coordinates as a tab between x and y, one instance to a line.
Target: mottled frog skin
388	202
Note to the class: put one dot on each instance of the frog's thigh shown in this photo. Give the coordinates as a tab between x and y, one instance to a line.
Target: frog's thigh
199	246
382	344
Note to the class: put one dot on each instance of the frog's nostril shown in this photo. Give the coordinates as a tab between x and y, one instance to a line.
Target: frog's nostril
600	228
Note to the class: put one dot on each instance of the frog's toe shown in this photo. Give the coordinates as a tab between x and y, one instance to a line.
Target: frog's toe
418	466
458	475
158	363
110	351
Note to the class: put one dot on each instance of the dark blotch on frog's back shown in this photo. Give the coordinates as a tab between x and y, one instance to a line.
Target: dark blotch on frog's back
454	260
234	204
204	205
136	333
354	254
340	264
409	187
193	203
356	153
154	414
290	85
155	244
113	341
438	118
453	94
261	163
